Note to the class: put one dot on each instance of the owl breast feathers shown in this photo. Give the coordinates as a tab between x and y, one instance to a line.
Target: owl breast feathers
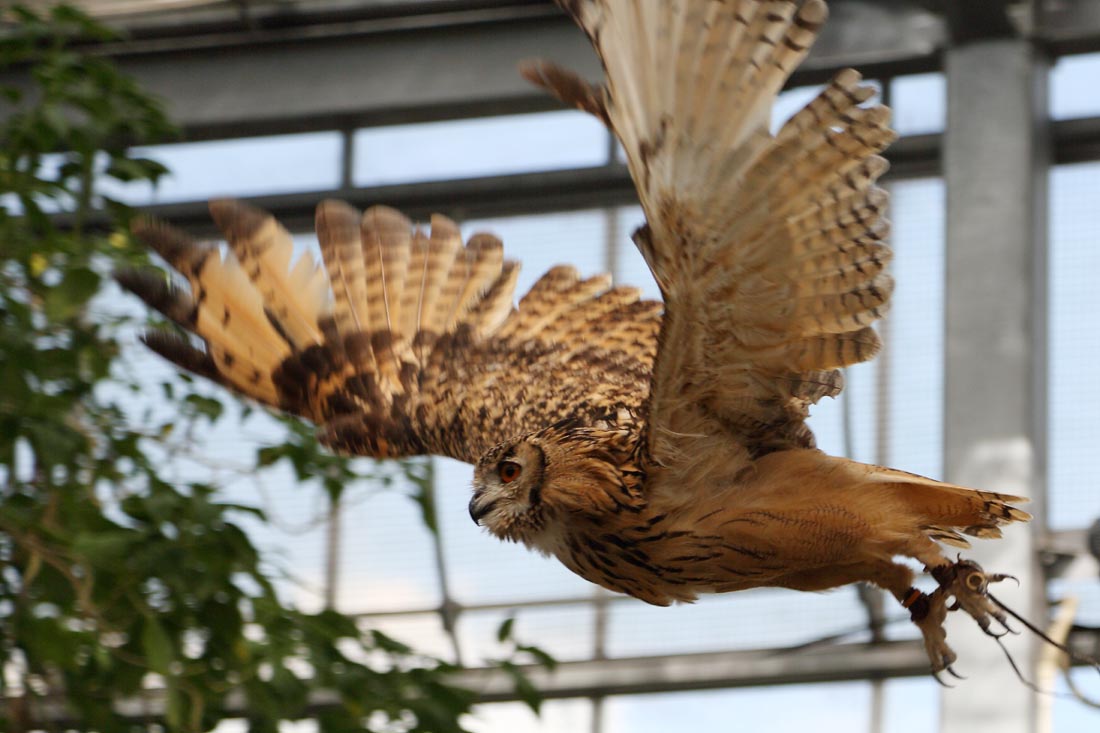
659	449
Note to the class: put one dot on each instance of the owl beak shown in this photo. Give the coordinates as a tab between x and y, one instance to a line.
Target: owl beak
479	510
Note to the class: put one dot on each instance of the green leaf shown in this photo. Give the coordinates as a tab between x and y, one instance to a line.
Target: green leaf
205	406
72	294
525	689
157	646
104	549
541	657
422	475
504	631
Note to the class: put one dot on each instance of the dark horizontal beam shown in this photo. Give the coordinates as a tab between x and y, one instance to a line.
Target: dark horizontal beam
565	190
473	198
453	59
292	67
626	676
1076	141
751	668
641	675
478	198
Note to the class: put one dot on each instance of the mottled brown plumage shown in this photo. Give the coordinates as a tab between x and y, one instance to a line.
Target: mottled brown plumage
658	450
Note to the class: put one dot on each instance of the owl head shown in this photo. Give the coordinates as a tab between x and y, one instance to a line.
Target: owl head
525	489
508	490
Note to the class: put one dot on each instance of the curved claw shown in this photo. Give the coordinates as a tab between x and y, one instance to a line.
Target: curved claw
997	578
951	671
936	676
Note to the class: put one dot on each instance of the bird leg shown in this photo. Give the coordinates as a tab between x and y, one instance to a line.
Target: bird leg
967	584
929	612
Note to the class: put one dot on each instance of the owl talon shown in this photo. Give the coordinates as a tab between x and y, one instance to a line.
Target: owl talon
969	585
928	612
950	670
966	586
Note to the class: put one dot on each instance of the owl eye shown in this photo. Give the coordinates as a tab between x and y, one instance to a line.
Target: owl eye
508	471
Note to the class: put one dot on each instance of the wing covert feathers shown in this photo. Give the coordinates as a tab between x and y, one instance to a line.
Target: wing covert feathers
769	249
405	342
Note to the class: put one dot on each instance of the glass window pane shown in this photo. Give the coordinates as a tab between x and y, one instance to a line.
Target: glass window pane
913	359
1073	84
387	554
240	167
424	632
555	716
1082	586
1069	713
838	706
919	102
567	632
912	705
752	619
1074	314
488	146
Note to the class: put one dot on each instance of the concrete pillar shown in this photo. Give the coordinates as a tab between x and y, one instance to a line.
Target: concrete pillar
996	154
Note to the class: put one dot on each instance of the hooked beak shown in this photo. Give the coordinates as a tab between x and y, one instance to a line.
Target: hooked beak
479	510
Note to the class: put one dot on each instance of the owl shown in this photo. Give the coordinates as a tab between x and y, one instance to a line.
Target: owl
658	449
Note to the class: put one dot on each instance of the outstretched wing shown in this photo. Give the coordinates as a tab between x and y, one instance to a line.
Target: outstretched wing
768	249
405	343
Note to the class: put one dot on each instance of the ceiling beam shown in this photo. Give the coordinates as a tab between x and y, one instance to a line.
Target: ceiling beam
453	59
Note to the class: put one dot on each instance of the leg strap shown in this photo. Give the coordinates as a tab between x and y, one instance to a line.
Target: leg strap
918	604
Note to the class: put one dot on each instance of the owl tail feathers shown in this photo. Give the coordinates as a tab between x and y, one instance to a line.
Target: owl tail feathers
949	511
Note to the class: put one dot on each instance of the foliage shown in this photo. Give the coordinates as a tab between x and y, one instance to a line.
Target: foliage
116	583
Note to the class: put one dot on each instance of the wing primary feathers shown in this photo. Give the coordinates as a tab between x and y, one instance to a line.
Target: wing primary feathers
385	236
567	87
264	248
338	234
768	250
495	308
159	293
443	243
411	353
180	352
485	257
175	246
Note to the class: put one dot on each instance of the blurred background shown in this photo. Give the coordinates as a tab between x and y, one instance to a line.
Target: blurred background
987	376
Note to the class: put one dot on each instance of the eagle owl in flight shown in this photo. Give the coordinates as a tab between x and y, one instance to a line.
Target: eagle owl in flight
658	449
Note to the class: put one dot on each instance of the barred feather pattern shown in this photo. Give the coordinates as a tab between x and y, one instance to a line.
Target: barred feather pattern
407	342
769	250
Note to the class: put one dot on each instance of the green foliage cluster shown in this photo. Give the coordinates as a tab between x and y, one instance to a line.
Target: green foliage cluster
119	587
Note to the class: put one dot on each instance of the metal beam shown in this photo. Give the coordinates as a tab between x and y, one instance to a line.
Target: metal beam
754	668
450	59
640	675
633	675
292	67
979	19
586	188
995	345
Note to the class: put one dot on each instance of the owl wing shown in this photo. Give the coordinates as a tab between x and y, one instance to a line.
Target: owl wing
768	249
405	343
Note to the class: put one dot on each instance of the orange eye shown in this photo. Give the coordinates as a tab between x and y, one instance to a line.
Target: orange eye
508	471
